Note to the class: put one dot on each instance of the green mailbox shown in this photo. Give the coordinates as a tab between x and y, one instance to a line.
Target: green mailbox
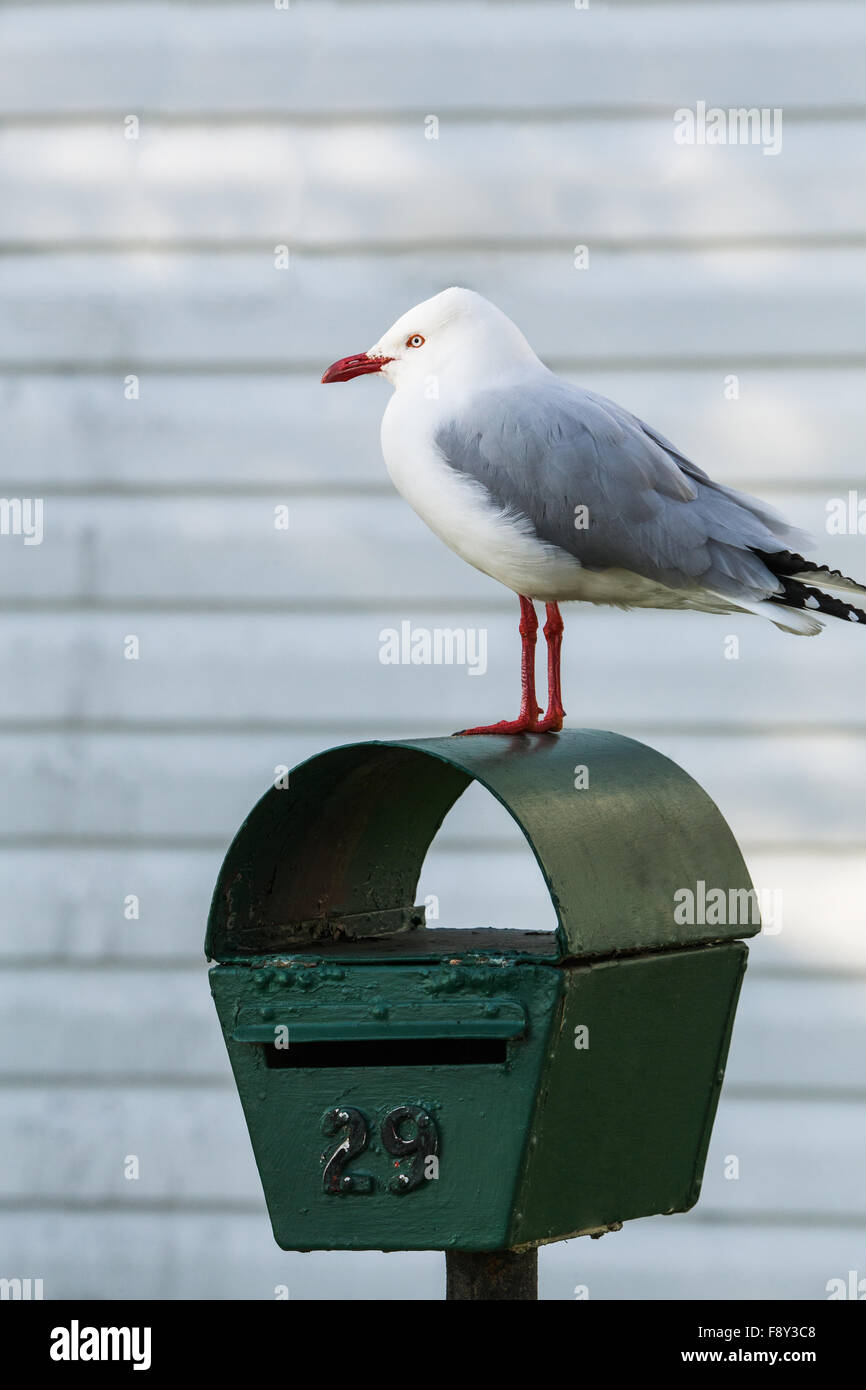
408	1087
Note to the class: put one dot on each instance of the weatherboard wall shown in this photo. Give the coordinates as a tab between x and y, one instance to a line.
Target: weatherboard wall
258	647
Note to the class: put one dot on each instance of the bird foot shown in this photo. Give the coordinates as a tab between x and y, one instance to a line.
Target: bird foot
505	726
550	724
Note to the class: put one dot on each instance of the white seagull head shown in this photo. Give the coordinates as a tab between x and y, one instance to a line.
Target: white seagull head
456	332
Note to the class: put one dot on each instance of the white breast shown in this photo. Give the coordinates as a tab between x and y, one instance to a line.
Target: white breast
462	514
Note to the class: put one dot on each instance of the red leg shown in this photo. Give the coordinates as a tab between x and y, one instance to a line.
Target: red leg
527	720
552	721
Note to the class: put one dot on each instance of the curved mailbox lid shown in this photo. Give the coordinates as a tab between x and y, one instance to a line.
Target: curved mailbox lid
338	854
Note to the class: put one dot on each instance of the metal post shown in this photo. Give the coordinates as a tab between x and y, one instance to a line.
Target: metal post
491	1274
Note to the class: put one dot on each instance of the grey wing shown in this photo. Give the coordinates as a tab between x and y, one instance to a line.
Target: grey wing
547	451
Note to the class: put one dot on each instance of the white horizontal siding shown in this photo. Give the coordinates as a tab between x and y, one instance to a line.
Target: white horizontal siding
283	435
68	908
73	673
133	312
258	648
76	1141
83	1254
370	186
325	60
803	787
792	1034
356	551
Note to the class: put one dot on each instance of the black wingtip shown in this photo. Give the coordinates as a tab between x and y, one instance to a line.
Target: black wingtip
798	595
785	563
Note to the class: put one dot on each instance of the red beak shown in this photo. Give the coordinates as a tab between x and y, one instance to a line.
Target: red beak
359	365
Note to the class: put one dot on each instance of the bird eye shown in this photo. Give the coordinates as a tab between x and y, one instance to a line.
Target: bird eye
415	341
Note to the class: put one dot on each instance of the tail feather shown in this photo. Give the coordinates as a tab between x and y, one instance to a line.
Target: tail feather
785	617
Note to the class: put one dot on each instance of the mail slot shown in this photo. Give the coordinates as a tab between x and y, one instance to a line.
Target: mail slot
417	1087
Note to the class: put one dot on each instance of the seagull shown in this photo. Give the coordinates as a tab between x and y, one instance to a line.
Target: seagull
562	495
